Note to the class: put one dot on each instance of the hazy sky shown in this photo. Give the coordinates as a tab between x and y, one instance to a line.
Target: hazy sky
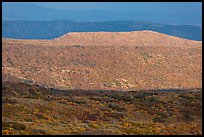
159	12
166	7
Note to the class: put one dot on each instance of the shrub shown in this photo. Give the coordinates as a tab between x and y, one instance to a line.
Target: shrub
138	128
185	97
77	101
98	132
94	125
5	125
158	119
152	99
29	120
28	81
107	85
40	116
39	132
87	116
78	46
126	98
143	95
187	115
115	106
9	100
14	125
18	126
115	115
162	115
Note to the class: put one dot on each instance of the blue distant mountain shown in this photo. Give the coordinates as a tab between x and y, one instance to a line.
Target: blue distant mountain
29	21
29	11
19	29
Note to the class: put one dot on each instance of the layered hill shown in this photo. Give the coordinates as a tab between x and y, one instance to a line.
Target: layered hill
106	61
75	84
134	38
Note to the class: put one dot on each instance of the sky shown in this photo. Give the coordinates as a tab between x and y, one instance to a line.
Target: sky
165	7
189	13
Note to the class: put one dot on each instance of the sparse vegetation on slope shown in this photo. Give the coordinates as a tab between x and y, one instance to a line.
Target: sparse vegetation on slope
149	86
54	111
70	62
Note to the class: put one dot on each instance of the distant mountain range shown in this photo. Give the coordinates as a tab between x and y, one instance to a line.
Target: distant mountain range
30	11
24	29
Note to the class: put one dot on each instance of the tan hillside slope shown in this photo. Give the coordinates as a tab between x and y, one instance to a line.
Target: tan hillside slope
165	62
135	38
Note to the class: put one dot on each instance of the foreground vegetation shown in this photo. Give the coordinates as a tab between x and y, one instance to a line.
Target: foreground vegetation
35	110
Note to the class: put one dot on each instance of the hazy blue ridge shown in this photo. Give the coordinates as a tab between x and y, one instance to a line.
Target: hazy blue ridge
23	29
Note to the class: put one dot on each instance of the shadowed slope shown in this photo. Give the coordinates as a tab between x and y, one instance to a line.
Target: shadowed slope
32	109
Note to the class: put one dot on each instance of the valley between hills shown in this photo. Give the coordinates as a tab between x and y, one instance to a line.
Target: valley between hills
139	82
